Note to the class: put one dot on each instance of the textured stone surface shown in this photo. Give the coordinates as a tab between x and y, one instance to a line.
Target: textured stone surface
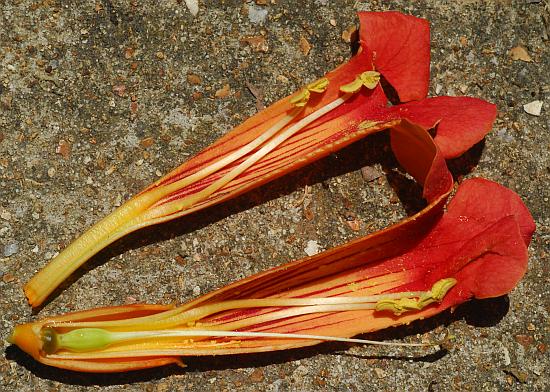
98	99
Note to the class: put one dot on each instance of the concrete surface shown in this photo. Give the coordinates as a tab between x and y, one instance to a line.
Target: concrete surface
98	98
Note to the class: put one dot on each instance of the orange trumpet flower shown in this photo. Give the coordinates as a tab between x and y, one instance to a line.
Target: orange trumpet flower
412	270
425	264
326	115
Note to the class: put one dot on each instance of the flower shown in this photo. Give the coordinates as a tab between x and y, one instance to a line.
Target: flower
412	270
421	266
345	105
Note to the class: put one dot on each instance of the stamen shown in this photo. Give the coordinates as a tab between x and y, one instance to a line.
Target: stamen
183	316
302	98
318	86
186	202
220	164
436	294
369	79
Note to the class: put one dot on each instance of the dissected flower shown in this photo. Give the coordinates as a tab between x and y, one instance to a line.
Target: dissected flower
412	270
419	267
328	114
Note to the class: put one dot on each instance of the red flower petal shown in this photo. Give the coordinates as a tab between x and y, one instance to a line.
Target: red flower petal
472	200
481	241
461	121
401	46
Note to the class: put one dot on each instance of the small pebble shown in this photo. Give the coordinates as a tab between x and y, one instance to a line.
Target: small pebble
120	90
380	373
257	375
282	79
7	278
370	173
196	290
11	249
524	340
194	79
350	34
256	42
354	224
192	6
520	53
312	248
257	15
223	92
63	149
533	108
147	142
129	53
305	46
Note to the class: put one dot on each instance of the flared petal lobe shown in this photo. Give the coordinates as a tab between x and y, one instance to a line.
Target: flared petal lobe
401	50
460	122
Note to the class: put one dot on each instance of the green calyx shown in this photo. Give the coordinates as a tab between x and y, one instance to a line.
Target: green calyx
402	305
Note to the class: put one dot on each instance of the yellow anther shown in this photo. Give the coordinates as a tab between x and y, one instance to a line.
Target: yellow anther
369	79
319	86
352	87
367	124
401	305
442	287
301	98
398	306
